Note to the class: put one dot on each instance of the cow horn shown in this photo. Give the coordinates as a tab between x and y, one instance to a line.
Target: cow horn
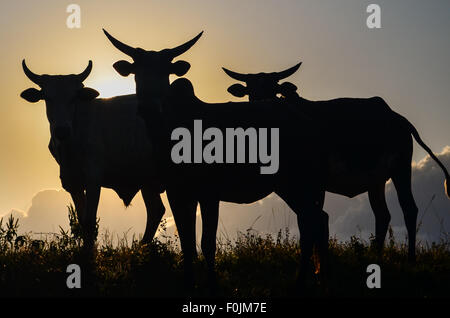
236	76
33	77
83	75
286	73
176	51
124	48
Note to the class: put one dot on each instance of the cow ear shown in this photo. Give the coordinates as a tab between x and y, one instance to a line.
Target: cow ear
124	68
287	89
179	68
32	95
238	90
87	93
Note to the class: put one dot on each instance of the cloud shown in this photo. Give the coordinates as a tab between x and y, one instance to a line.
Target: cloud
48	211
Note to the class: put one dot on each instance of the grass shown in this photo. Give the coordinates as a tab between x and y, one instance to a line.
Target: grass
253	266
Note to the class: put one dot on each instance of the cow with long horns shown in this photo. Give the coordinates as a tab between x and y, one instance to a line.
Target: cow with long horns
97	143
187	185
337	116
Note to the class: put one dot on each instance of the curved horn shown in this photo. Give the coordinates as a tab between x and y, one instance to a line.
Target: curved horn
286	73
124	48
33	77
236	76
174	52
83	75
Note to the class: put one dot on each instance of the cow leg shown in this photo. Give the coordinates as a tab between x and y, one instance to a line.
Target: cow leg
311	225
402	183
377	201
155	212
323	245
79	200
184	212
321	199
92	198
324	233
210	216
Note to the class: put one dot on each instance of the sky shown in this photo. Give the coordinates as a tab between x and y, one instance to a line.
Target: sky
405	62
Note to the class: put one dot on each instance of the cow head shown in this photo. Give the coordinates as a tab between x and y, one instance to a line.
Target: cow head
262	86
61	93
152	68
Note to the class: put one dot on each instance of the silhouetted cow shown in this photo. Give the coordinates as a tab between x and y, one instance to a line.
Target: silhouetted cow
186	185
341	117
97	143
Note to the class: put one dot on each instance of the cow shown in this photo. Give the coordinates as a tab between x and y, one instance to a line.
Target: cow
97	143
188	185
335	113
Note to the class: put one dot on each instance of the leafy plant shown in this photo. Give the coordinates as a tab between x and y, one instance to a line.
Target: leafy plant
74	236
8	234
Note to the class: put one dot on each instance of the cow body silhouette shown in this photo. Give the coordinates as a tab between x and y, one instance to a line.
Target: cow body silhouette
97	143
363	154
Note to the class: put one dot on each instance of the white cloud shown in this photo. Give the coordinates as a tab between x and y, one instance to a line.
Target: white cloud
48	211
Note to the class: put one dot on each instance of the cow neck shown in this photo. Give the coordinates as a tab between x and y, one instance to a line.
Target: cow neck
55	147
77	118
303	104
151	110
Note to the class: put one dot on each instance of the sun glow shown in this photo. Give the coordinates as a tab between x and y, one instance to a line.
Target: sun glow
109	87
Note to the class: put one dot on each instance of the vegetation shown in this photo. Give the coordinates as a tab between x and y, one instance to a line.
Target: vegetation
252	266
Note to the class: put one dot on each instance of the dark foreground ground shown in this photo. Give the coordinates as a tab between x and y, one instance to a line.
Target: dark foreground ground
252	267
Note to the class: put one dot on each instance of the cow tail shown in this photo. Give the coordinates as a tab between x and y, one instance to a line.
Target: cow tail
419	140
